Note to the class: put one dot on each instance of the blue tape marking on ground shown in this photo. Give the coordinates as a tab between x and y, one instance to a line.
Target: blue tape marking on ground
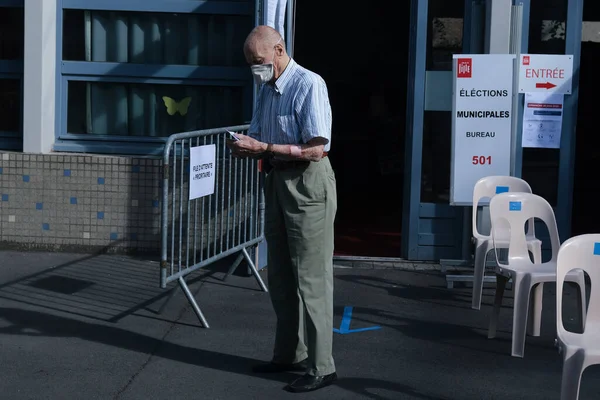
345	325
370	328
346	319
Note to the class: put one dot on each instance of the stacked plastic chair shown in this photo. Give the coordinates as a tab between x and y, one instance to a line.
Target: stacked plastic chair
579	350
509	212
488	187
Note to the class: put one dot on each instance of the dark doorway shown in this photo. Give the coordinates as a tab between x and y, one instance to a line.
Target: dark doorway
586	213
362	53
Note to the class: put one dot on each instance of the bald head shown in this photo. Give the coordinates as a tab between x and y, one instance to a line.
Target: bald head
260	43
265	46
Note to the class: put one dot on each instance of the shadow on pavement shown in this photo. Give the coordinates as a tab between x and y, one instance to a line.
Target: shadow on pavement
100	286
361	387
33	323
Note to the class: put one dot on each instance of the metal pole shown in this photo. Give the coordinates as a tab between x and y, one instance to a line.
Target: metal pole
255	271
193	303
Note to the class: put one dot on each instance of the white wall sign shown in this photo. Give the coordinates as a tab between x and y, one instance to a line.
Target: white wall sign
545	73
202	170
482	121
542	120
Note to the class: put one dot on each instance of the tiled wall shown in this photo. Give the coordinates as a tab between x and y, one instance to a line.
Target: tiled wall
67	202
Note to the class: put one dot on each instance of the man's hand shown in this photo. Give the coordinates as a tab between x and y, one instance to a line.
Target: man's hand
246	146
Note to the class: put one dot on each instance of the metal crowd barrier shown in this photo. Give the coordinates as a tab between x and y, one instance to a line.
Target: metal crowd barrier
197	233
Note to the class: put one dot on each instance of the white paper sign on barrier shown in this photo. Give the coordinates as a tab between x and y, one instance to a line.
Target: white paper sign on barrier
482	121
202	170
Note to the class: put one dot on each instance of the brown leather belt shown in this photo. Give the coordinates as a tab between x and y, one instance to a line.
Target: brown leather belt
288	164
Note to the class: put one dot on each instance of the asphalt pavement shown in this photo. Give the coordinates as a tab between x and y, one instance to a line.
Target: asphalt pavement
76	326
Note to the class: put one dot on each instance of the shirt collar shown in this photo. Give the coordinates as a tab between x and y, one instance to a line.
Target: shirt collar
282	82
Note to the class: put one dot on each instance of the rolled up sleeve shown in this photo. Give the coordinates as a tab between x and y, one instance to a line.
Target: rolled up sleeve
314	112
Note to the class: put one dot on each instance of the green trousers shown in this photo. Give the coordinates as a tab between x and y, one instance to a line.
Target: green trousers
300	210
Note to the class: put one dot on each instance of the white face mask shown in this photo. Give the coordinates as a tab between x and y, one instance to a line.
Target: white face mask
263	73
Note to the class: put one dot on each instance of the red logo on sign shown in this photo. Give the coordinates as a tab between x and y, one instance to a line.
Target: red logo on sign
464	67
526	60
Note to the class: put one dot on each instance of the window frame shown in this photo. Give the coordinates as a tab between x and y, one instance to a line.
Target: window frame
13	70
69	71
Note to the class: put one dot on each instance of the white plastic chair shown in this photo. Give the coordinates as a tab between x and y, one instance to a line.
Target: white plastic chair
579	350
488	187
511	211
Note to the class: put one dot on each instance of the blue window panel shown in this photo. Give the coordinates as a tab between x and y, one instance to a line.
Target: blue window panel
25	178
12	32
12	36
108	147
437	239
45	226
100	181
4	197
11	121
100	215
114	236
141	43
223	74
67	172
73	200
155	38
12	3
150	81
155	203
39	206
1	170
189	6
135	168
11	68
432	210
131	109
436	253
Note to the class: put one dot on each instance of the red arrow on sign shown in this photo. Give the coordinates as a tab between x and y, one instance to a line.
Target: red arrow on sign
546	85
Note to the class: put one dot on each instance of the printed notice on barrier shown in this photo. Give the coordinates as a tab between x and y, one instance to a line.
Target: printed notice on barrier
482	121
202	171
542	120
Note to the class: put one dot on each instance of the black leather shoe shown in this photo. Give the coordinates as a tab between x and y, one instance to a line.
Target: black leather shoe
308	383
271	367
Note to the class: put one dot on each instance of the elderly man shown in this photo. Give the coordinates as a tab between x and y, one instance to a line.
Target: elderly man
291	130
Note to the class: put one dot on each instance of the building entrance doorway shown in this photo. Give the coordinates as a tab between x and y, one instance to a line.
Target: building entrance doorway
364	61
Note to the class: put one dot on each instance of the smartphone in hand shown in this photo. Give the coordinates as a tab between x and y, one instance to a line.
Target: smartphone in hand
232	136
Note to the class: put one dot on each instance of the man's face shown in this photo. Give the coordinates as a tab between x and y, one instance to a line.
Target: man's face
257	55
265	54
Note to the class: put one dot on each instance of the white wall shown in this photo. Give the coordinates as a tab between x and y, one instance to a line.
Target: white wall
497	32
39	76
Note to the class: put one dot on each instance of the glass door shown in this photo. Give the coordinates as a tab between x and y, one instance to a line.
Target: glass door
441	28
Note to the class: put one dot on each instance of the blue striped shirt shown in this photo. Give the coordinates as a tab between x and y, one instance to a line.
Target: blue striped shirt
293	110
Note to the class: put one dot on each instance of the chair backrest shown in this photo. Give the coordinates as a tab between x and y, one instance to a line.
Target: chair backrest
510	212
579	252
490	186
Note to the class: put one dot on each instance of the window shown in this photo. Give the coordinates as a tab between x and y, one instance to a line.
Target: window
445	38
131	78
547	27
11	73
